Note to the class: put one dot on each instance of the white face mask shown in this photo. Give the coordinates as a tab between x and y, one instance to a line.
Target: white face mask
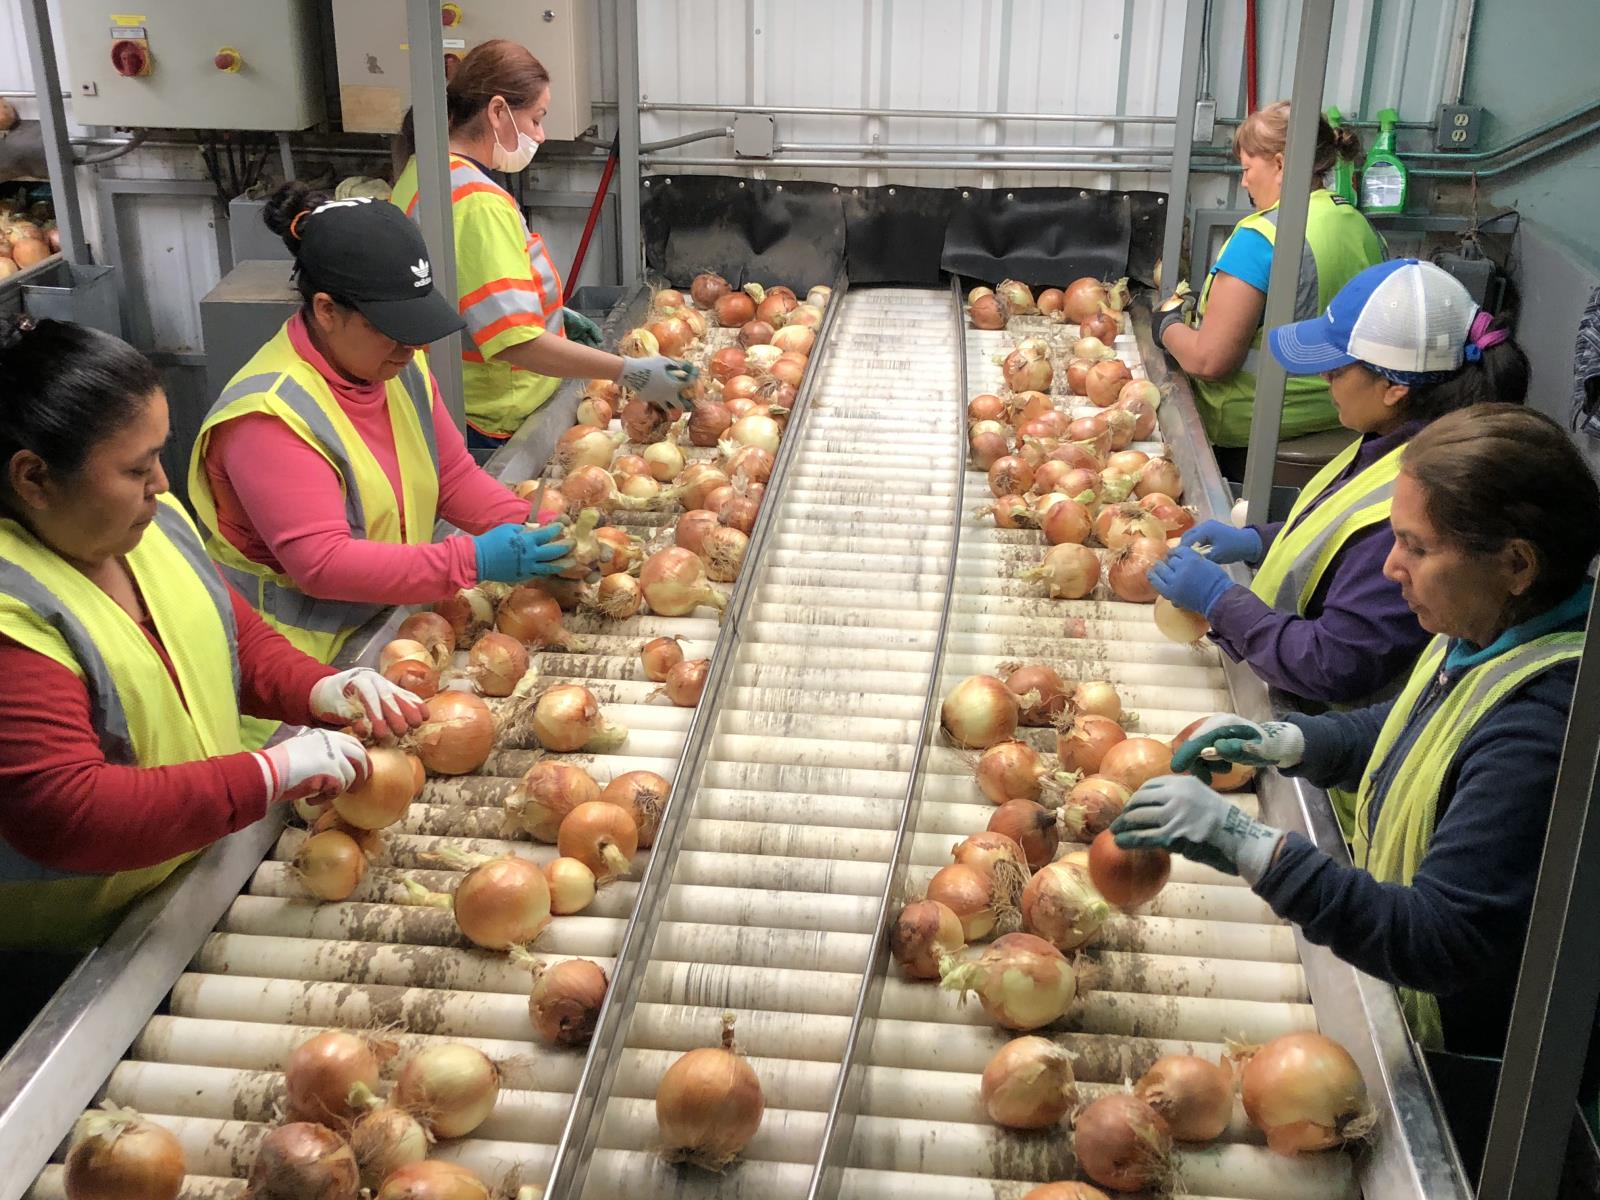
512	161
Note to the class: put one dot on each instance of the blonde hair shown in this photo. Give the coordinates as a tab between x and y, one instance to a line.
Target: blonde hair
1265	133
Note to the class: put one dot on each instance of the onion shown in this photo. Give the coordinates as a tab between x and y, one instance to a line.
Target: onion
709	1105
755	333
567	717
320	1073
1067	522
469	613
1231	780
1103	325
1160	475
1071	571
1130	568
1105	380
644	422
979	711
384	1140
1010	771
1018	296
1022	981
608	390
620	549
672	335
602	837
667	299
370	840
1121	1142
384	797
969	893
1083	299
708	287
708	423
419	678
572	886
1009	512
750	463
763	358
987	449
449	1087
638	343
330	865
1136	761
1041	693
567	593
1127	878
726	363
659	656
1098	698
457	734
30	251
643	796
1024	374
1127	462
740	387
586	446
1078	375
1143	414
734	309
499	661
756	430
805	315
117	1155
1010	474
739	512
1173	518
1070	1190
302	1161
988	312
795	339
986	407
433	632
685	682
565	1001
976	292
1028	1084
924	933
693	527
1179	624
788	371
1051	304
1002	860
674	582
723	550
1119	525
1060	904
1193	1096
502	902
1092	805
618	597
775	306
1305	1092
819	295
432	1179
698	482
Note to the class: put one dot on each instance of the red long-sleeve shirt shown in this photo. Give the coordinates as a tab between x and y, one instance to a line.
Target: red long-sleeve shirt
67	808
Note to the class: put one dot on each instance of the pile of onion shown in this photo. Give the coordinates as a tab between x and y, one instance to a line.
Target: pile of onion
1193	1096
923	934
1123	1143
320	1074
117	1155
1060	904
674	583
1305	1092
1127	878
457	735
565	1001
602	837
1028	1084
567	717
979	712
1022	981
449	1087
302	1159
709	1105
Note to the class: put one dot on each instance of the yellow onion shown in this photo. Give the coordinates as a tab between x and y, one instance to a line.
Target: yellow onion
300	1159
709	1105
567	717
457	735
643	796
923	934
572	886
449	1087
117	1155
979	712
1061	905
1305	1092
565	1001
1193	1096
1022	981
1028	1084
602	837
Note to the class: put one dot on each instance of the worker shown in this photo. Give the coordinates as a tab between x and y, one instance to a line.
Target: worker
522	339
130	661
1401	345
1496	520
1219	350
321	469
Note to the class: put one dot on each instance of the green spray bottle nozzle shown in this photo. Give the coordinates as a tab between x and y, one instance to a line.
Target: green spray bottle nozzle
1344	171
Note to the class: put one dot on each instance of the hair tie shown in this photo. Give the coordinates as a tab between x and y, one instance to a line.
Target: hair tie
12	335
294	225
1480	337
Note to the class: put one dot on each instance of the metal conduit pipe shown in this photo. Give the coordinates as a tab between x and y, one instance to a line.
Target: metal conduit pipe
958	148
919	164
687	139
780	110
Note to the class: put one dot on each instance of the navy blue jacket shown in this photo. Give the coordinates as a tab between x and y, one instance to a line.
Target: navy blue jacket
1458	930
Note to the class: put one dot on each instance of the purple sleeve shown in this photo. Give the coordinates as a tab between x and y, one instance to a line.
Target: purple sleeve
1362	636
1268	533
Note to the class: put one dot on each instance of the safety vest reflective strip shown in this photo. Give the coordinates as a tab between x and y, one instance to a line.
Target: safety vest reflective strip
319	626
1394	850
1301	553
140	718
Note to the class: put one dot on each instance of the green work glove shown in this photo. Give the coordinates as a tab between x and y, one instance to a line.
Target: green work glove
580	329
1234	739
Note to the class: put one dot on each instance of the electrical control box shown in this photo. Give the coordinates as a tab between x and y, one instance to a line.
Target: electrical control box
193	64
375	60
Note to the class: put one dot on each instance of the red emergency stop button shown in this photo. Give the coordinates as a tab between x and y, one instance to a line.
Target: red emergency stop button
230	60
452	64
130	58
450	14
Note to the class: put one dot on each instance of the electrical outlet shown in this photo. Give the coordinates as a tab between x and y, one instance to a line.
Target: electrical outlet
1205	119
1459	125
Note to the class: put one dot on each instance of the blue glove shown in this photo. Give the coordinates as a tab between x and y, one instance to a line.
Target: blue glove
580	329
660	381
1181	814
1227	544
1234	739
1189	580
512	553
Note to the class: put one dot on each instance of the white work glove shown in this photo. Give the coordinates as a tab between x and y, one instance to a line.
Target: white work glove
659	381
1234	739
318	762
365	699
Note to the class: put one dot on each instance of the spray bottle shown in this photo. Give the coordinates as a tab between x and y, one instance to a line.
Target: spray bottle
1344	171
1384	178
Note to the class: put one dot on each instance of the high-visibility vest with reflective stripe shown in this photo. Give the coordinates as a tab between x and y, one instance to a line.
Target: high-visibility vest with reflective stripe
1393	850
1340	244
141	717
279	382
505	283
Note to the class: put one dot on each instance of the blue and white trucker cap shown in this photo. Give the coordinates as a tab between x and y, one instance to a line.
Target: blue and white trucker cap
1408	320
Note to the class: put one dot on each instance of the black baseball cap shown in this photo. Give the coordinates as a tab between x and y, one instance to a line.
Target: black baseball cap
370	253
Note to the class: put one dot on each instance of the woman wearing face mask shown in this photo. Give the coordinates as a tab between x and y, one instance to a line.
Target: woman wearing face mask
1496	521
521	341
130	661
320	472
1220	348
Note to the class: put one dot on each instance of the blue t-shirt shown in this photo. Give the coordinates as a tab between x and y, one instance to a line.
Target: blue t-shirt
1247	257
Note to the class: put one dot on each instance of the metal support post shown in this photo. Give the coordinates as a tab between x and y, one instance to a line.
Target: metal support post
426	35
628	189
1553	1014
53	124
1182	142
1283	283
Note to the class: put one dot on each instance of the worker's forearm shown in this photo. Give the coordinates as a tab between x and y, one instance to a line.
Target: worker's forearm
562	359
1197	354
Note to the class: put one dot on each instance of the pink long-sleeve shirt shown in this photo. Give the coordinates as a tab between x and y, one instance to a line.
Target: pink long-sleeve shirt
279	502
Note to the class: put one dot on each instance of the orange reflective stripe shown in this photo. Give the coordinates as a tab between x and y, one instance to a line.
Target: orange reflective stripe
544	271
478	188
507	322
499	285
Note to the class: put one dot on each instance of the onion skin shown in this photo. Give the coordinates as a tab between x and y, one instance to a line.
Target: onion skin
1305	1092
709	1105
1193	1096
1028	1084
320	1073
302	1161
924	933
120	1156
499	661
1123	1143
1127	878
565	1001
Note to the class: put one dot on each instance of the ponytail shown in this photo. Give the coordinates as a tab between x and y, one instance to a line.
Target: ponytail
284	212
1498	376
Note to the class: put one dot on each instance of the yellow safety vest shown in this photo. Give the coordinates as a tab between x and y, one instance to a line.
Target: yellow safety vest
141	717
278	381
1393	850
510	292
1340	244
